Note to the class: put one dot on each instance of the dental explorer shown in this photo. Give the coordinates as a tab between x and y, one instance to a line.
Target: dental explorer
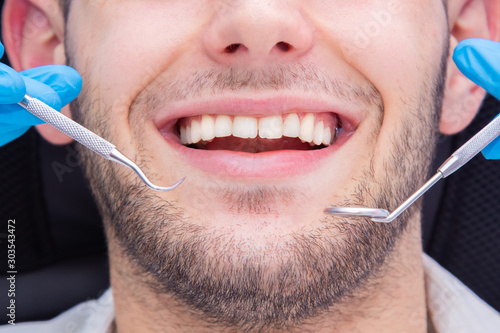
86	137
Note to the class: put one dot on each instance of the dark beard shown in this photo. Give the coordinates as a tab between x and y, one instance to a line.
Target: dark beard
315	271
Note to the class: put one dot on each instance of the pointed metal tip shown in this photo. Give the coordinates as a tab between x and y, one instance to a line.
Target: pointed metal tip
178	183
169	188
116	156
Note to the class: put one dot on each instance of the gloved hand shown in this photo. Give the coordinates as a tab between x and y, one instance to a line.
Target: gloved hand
56	85
479	60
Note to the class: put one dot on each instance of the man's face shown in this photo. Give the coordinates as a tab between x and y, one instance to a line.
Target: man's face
247	225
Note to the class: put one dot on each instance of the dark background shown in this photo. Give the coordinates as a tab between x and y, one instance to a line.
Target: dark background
60	247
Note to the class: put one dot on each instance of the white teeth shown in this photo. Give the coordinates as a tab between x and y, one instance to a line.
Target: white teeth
271	127
318	133
223	126
307	128
195	131
291	127
207	128
245	127
327	136
184	140
188	135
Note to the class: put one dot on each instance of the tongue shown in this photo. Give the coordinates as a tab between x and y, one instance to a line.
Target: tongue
256	145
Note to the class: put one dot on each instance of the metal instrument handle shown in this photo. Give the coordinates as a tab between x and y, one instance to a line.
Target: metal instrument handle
67	126
470	149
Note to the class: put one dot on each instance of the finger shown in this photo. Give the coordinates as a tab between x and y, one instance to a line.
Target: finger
64	80
479	60
16	115
12	88
43	92
492	151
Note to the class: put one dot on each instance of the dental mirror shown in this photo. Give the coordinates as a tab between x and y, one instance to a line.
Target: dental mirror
458	159
361	212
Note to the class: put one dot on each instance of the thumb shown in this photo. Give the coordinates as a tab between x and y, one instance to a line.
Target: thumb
479	60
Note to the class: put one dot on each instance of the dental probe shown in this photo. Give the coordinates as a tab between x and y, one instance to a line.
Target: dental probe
85	137
458	159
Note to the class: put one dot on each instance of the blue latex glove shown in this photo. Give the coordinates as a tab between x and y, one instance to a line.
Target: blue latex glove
479	60
56	85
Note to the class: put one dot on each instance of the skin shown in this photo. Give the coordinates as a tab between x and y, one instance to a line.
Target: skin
134	56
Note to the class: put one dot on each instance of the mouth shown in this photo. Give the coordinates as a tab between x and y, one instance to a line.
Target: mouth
256	138
291	131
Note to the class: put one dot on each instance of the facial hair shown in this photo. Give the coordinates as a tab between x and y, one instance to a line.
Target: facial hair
315	270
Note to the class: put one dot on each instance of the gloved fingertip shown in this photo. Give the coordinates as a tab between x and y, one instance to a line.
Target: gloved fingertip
1	49
466	56
64	80
12	87
73	85
12	115
477	59
43	92
492	151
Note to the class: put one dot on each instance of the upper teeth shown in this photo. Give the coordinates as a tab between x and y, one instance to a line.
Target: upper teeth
309	127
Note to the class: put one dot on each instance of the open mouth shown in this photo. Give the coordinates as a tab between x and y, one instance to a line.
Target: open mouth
251	139
290	131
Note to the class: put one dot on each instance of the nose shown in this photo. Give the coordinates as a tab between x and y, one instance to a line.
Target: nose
249	31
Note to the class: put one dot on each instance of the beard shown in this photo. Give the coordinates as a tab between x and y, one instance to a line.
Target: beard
285	285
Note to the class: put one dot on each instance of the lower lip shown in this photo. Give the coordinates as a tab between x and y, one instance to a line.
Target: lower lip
273	164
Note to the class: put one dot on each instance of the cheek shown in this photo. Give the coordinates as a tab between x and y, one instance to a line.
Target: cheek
398	47
125	46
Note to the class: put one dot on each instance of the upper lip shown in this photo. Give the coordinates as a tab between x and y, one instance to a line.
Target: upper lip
350	115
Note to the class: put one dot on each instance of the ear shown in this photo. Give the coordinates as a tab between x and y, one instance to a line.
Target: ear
33	34
463	98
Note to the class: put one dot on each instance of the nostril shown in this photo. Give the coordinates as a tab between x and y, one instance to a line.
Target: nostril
232	48
283	46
